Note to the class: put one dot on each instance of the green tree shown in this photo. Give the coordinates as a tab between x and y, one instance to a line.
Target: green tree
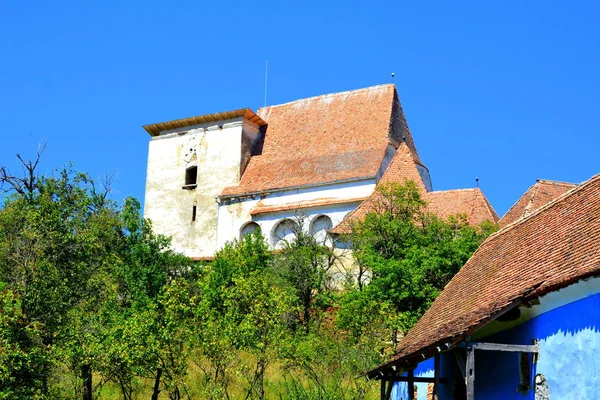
409	255
55	236
148	316
23	357
304	265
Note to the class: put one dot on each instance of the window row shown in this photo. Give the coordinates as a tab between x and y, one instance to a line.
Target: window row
286	230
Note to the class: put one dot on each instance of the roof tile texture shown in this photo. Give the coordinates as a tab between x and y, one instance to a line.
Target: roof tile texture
341	136
543	192
470	202
550	249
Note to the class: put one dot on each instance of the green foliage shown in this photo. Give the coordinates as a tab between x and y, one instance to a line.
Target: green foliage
24	359
303	265
89	292
410	256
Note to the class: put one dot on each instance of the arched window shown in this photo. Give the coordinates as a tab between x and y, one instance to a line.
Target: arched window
284	232
319	229
248	229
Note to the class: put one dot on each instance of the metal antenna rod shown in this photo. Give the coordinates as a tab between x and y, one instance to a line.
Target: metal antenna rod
266	76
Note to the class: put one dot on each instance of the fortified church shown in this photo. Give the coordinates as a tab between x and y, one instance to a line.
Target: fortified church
216	177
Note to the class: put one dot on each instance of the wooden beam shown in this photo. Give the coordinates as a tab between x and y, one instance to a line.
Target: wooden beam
470	374
388	392
461	361
382	390
411	384
521	348
418	379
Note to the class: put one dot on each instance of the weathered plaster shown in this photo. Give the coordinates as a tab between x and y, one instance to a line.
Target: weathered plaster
218	151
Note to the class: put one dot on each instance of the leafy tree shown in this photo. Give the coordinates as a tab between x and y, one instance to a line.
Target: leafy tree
148	316
304	265
55	236
409	255
23	356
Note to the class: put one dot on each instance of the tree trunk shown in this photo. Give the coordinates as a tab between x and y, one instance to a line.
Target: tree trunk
157	384
86	375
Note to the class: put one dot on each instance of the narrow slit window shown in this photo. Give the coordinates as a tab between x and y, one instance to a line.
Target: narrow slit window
193	213
191	175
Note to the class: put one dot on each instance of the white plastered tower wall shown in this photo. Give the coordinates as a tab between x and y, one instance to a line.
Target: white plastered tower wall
220	150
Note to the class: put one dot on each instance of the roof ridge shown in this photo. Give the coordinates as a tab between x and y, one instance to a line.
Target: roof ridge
529	205
489	206
477	192
326	95
559	183
551	203
454	190
517	202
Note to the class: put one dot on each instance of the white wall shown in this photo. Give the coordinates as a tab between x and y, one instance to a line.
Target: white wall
234	215
217	151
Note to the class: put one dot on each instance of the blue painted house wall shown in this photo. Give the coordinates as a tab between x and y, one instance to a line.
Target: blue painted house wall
400	389
569	358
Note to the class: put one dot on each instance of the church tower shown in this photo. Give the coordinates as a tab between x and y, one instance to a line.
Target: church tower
190	161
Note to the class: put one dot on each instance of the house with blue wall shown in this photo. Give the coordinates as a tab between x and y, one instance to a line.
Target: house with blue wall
521	320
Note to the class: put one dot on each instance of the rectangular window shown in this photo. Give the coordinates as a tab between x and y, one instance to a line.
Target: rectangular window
191	175
193	213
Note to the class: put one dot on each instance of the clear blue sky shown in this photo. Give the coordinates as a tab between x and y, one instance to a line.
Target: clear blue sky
507	90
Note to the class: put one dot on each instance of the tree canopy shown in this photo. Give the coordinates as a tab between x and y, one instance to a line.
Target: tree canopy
94	304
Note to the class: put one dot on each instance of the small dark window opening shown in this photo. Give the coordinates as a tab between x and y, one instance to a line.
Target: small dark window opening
191	174
193	213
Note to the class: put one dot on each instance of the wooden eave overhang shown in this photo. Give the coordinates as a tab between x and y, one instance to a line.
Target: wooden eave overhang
248	114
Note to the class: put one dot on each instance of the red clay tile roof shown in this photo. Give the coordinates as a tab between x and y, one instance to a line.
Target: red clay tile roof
298	205
470	202
543	192
555	246
330	138
402	168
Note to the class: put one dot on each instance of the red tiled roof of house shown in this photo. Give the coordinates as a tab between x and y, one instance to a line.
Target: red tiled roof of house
555	246
470	202
543	192
330	138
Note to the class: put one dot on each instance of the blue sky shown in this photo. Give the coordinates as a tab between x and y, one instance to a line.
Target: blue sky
505	91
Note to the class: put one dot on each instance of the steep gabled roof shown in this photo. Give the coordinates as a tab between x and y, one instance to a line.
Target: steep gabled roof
470	202
402	168
330	138
553	247
543	192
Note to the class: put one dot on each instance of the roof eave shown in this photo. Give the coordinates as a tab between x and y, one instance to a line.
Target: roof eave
248	114
286	188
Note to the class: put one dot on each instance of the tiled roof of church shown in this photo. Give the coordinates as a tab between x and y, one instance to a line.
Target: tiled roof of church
330	138
555	246
470	202
401	169
536	196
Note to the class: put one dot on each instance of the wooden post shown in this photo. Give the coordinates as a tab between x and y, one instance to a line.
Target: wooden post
388	392
411	384
436	376
382	389
470	374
